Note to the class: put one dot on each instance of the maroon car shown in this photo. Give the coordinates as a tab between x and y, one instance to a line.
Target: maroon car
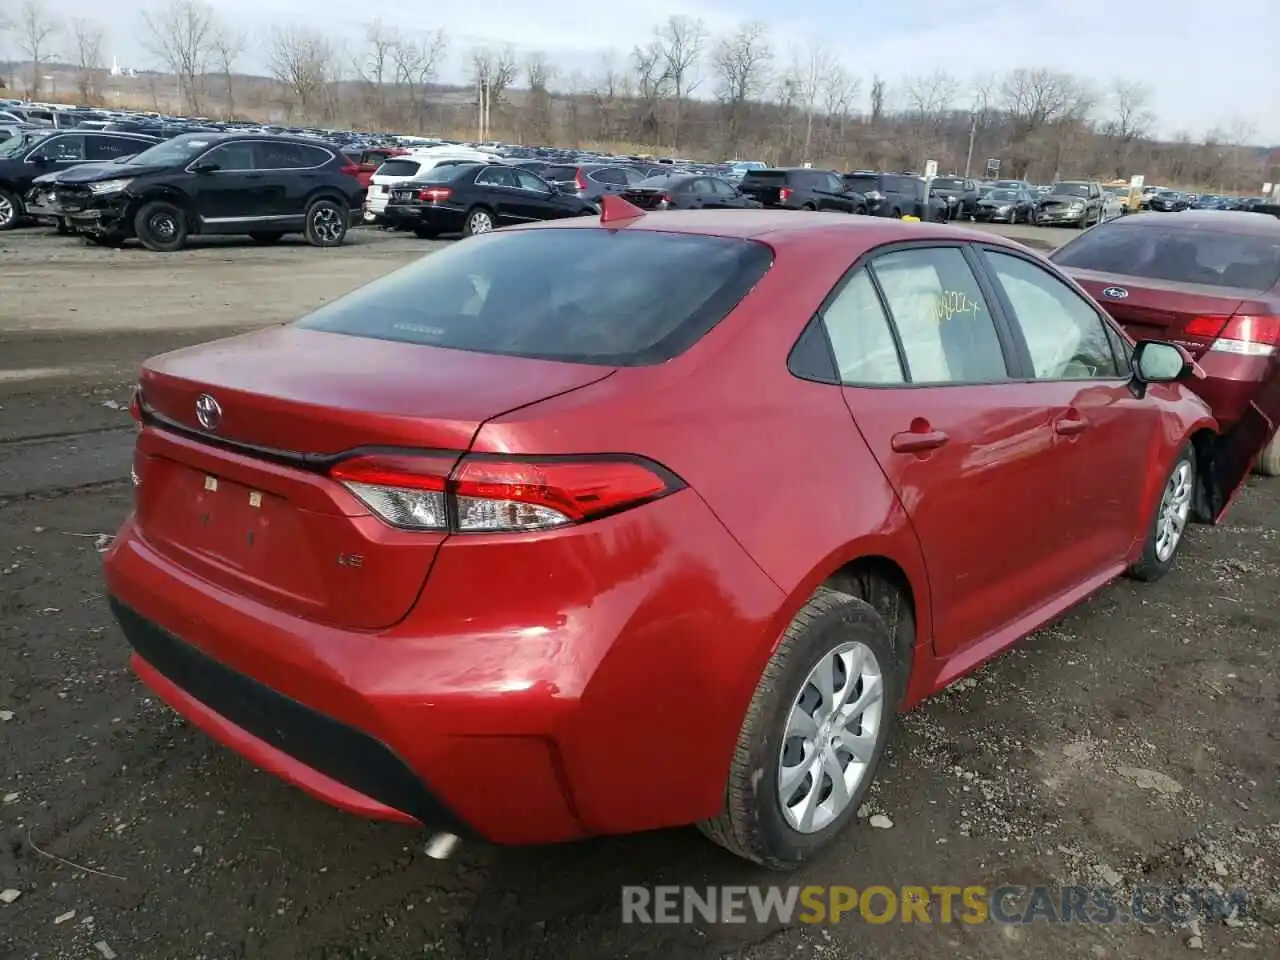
1209	280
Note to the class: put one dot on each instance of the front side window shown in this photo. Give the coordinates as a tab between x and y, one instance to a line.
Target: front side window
1065	336
230	157
942	318
63	149
528	181
860	335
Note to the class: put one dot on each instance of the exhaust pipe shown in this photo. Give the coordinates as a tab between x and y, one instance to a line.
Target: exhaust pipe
442	845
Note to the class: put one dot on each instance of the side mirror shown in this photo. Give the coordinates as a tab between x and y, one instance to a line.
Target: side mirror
1156	361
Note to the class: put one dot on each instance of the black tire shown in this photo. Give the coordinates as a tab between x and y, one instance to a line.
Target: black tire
326	223
266	237
808	206
161	226
425	233
1151	566
12	210
751	823
475	223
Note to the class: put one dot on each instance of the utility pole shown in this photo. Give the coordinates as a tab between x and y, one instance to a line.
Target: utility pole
973	135
482	101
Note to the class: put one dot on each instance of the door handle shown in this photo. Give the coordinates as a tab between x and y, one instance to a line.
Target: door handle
1070	426
917	441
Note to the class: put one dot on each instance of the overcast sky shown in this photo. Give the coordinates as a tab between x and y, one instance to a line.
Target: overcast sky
1209	64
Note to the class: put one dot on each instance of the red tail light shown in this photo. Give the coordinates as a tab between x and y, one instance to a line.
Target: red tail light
435	194
135	405
350	169
579	181
784	194
482	494
1246	334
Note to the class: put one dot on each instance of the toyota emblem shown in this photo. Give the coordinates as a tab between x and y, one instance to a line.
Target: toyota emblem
1115	293
208	412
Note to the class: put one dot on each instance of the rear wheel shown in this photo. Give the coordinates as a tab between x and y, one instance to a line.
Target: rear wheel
161	226
479	220
1172	515
326	223
813	735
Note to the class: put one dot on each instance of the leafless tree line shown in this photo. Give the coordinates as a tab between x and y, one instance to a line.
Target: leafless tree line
680	91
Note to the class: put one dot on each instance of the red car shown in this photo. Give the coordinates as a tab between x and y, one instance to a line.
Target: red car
607	525
1209	280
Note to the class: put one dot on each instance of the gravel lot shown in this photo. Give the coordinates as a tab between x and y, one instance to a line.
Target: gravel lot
1134	742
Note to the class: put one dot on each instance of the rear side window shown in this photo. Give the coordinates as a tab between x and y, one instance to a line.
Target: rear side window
860	336
560	174
1183	255
942	318
770	177
614	298
399	168
112	148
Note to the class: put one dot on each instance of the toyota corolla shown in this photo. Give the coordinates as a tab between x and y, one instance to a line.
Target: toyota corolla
654	519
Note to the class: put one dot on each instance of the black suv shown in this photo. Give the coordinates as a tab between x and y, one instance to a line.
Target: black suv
960	194
262	185
801	188
32	153
896	195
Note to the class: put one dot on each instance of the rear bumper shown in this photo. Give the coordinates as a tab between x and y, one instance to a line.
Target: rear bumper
601	693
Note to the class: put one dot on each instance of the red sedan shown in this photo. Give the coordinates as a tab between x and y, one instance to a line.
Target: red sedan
1209	280
597	527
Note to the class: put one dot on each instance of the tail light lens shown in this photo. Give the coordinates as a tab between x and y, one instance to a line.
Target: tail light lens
1249	335
579	181
435	194
350	169
481	494
135	406
784	194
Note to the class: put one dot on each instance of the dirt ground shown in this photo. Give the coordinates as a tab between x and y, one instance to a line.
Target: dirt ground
1134	742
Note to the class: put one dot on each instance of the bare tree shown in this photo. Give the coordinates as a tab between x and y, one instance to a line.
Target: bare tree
742	64
228	46
929	96
651	85
301	60
87	37
1130	119
538	74
1043	107
36	29
417	64
811	65
180	34
682	41
492	72
377	64
877	100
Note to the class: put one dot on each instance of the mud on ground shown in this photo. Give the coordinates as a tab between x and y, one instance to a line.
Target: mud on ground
1136	741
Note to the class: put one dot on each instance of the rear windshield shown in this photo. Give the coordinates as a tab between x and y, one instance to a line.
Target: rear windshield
617	298
399	168
560	174
1071	189
948	183
765	176
1182	255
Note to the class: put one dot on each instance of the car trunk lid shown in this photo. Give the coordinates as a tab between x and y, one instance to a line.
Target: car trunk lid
242	499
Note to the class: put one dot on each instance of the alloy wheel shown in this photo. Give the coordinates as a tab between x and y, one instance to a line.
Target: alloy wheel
7	213
326	224
830	738
1175	507
163	227
481	222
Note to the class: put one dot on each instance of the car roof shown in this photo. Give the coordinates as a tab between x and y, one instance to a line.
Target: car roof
1224	221
782	227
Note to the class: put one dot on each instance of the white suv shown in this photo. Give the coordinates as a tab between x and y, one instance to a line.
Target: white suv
407	166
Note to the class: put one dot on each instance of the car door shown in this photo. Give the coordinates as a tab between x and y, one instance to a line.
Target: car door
929	373
1103	433
502	193
227	189
288	174
726	195
60	151
536	200
832	187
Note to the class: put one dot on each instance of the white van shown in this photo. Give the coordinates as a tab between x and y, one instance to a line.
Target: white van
407	166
